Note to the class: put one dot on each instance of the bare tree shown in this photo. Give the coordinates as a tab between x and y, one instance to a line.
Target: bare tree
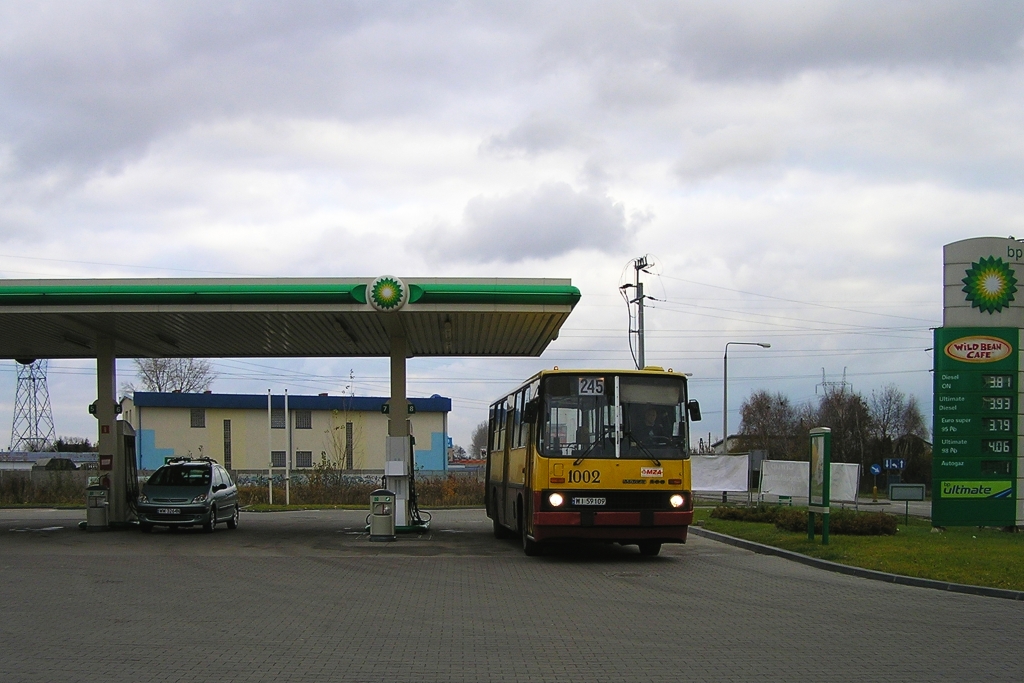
73	444
479	441
769	422
898	428
894	414
187	375
846	413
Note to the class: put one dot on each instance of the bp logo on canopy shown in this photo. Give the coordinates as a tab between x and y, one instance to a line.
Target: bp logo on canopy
387	293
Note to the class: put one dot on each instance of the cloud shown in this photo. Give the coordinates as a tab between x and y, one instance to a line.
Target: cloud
543	223
729	149
537	135
744	40
94	86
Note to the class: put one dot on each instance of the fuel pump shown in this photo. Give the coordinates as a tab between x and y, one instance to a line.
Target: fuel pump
382	515
119	475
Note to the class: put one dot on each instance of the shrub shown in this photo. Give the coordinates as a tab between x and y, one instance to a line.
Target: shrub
55	488
453	489
325	487
841	522
760	513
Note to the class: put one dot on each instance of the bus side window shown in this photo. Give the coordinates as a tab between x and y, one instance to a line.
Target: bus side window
493	440
524	427
501	427
517	419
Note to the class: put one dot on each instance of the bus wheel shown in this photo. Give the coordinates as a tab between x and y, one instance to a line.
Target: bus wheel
649	548
530	548
500	531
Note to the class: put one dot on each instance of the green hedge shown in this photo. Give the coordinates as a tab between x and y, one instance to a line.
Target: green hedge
841	521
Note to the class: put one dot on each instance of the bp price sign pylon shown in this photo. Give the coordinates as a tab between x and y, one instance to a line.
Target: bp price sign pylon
976	453
974	461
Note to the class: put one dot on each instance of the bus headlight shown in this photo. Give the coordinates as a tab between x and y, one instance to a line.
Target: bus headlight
556	499
676	501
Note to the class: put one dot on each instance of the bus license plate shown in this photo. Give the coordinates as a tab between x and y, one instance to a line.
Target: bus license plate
589	501
168	511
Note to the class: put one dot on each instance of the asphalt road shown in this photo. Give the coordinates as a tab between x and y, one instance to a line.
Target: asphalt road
306	597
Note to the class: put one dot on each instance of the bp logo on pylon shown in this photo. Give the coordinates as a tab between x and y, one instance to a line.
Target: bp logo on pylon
990	284
387	293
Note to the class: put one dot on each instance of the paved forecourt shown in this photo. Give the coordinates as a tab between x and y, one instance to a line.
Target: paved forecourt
305	596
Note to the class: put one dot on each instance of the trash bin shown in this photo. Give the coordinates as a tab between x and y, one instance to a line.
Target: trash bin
96	510
382	515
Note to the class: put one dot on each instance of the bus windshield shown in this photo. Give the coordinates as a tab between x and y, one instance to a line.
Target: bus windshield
578	418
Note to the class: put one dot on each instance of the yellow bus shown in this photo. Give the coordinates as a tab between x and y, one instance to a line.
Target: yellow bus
592	454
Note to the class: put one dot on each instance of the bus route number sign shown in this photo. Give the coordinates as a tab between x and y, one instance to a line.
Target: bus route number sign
591	386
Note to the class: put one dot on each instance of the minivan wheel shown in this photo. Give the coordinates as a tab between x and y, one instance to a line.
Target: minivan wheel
233	522
211	522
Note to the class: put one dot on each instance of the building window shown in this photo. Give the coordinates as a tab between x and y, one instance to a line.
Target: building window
303	458
199	418
277	418
277	458
303	420
349	444
227	444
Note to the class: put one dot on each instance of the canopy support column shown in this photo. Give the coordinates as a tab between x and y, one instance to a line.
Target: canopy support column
398	454
114	468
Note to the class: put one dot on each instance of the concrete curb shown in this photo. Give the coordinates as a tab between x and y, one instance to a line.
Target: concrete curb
857	571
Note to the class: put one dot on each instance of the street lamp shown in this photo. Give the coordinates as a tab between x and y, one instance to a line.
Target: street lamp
725	389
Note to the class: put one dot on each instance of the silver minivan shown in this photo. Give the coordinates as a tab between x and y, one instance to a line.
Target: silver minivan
186	492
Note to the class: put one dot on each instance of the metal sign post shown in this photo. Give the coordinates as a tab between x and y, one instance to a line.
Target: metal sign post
906	492
876	469
820	484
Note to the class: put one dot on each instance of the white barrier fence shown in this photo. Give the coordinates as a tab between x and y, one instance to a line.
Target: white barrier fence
729	473
791	478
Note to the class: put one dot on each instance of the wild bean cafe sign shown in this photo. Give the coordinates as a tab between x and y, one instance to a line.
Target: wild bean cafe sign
977	399
980	349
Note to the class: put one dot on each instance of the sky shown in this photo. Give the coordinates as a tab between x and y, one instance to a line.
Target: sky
790	169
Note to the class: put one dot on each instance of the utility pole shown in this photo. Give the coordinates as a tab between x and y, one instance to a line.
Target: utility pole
640	264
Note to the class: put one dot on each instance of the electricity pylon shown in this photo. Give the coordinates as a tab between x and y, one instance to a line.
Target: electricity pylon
32	429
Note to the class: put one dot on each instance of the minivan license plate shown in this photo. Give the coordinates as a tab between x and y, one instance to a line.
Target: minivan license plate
168	511
589	501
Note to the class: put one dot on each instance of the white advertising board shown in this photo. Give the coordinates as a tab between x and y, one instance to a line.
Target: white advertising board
790	478
719	472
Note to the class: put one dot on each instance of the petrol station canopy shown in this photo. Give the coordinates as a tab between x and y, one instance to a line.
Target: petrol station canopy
285	317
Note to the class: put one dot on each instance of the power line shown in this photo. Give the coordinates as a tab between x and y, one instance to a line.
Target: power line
795	301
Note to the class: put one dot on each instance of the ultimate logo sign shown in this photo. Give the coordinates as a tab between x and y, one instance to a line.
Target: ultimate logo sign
990	284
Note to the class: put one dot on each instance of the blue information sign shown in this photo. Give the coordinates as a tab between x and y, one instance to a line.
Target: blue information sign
876	469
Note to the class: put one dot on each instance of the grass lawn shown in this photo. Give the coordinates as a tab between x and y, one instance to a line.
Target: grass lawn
979	557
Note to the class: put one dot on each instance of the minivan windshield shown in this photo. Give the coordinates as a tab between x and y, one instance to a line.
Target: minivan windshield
181	475
578	418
